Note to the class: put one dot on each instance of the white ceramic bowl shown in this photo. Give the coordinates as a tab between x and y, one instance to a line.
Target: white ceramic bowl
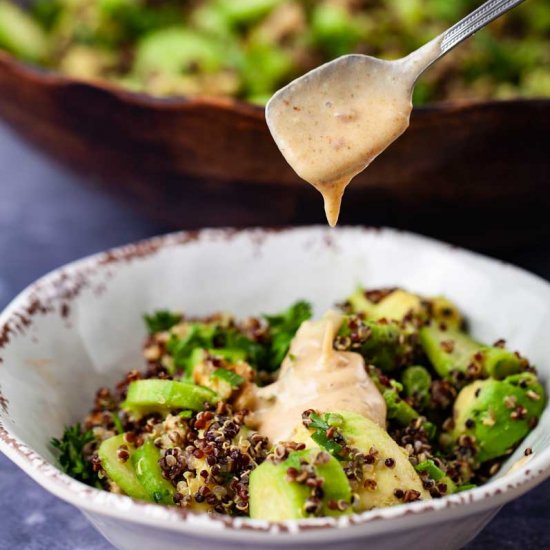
81	327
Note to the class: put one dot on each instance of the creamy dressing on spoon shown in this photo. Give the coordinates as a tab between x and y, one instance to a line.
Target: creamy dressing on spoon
333	122
315	376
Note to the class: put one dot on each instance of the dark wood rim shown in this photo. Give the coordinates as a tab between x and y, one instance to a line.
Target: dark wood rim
50	77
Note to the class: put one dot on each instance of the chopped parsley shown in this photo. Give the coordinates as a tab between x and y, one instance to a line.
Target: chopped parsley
294	460
232	344
266	355
254	352
320	425
199	335
320	437
71	454
161	321
282	328
232	378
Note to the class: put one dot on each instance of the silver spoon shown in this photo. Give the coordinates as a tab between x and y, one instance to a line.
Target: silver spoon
331	123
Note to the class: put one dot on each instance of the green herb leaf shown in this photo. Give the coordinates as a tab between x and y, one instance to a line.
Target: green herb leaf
254	352
232	378
161	320
320	437
71	454
293	460
199	335
318	423
283	327
186	414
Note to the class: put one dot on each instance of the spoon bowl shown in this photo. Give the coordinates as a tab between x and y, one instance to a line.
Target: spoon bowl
331	123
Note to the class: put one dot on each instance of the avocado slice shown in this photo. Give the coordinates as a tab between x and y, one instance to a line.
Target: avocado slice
177	51
498	413
382	344
147	396
449	349
264	66
122	473
397	409
444	311
416	383
145	461
20	34
399	303
360	304
334	29
273	497
395	306
243	12
364	434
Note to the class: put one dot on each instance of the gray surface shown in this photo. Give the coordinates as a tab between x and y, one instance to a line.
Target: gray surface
46	220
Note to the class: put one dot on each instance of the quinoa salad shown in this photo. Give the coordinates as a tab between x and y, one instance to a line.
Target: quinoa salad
384	400
247	49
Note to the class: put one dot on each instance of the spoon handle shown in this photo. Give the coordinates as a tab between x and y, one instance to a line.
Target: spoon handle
474	21
419	60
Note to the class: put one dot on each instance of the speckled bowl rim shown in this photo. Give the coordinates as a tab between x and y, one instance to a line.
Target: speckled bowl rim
45	292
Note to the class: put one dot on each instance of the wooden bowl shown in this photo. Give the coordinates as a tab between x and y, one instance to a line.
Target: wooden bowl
475	174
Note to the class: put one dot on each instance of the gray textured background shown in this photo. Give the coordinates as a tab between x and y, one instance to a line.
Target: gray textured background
47	220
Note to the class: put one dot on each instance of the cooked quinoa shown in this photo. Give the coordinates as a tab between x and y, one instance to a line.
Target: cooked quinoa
184	430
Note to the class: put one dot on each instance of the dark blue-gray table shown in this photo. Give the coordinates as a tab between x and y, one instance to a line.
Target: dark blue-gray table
47	219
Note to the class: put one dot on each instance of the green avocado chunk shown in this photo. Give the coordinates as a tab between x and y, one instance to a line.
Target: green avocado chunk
176	51
148	396
416	383
398	409
274	497
382	344
364	434
360	304
368	437
145	461
451	350
20	34
122	473
242	12
334	29
395	306
498	413
264	66
398	304
401	412
433	472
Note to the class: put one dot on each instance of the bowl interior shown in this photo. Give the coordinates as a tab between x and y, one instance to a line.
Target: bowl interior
81	327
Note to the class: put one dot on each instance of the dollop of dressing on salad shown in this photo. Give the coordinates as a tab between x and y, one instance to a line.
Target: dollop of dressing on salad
333	122
316	376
